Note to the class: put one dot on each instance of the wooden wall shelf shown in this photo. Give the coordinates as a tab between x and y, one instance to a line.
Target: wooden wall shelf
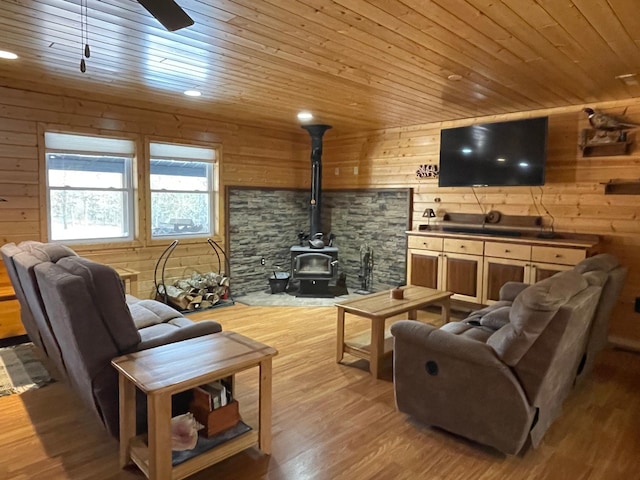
603	144
606	149
622	187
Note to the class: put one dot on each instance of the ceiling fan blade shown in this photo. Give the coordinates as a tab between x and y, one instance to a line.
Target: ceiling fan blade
168	13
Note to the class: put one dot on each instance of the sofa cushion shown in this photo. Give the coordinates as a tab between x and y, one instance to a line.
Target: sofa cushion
108	295
151	312
596	277
24	263
51	252
531	312
181	322
468	330
496	318
603	261
156	330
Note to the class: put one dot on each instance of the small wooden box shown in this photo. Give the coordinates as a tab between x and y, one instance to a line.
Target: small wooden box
214	420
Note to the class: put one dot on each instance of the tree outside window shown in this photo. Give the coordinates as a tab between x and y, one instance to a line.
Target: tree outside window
182	181
90	192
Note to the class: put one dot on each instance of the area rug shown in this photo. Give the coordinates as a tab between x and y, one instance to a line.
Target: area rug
21	370
266	298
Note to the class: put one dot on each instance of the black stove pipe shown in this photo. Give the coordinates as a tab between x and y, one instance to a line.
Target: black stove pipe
316	132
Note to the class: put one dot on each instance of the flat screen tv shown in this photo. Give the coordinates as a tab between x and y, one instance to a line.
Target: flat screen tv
494	154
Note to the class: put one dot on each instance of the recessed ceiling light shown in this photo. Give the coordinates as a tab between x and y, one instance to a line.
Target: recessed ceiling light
454	77
192	93
8	55
304	116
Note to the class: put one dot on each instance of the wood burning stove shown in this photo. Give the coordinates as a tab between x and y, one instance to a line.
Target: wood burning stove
314	268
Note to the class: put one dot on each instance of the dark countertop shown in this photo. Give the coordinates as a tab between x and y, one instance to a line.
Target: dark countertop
511	235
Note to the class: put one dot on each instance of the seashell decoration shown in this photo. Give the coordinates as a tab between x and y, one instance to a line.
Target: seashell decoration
184	432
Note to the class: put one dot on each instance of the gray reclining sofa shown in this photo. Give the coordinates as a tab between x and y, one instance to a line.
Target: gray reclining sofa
77	312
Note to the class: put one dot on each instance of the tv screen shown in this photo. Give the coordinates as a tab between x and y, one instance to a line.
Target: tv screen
494	154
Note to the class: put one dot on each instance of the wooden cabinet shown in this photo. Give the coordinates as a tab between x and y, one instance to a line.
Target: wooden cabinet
424	261
10	323
509	262
475	268
448	264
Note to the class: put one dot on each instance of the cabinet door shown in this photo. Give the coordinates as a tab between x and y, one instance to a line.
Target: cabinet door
462	275
540	271
498	271
424	268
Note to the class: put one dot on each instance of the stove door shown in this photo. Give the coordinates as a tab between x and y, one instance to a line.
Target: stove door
315	266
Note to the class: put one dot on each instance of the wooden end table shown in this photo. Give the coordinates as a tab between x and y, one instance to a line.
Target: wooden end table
163	371
378	307
130	276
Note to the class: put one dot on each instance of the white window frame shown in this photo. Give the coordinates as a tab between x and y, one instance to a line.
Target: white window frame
87	144
186	152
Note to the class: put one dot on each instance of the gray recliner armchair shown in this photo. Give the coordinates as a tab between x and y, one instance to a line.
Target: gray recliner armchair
500	380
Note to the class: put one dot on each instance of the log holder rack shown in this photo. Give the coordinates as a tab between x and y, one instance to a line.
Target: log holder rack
160	269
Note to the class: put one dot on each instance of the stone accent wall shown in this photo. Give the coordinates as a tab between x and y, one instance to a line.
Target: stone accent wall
264	223
377	218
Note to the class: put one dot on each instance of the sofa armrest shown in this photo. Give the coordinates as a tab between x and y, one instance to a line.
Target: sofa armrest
510	290
458	384
198	329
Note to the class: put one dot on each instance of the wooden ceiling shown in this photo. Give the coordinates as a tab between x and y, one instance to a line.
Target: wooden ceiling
355	64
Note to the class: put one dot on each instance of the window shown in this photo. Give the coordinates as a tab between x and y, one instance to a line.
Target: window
89	187
182	180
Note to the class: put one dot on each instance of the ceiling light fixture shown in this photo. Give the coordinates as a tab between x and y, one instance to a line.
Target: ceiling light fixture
8	55
192	93
305	116
628	79
454	77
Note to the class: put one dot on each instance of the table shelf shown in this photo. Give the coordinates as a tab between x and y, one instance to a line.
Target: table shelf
139	452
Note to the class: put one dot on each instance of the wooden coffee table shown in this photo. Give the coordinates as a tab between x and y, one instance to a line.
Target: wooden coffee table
378	307
163	371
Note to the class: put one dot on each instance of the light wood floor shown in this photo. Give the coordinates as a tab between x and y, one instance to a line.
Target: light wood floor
336	422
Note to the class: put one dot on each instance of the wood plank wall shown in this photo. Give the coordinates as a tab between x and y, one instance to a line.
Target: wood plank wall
573	193
267	157
250	156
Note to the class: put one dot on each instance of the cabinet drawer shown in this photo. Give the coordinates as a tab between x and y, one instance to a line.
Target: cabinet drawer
507	250
564	256
472	247
425	243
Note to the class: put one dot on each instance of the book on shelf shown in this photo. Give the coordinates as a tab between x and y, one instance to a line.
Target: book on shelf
213	395
218	392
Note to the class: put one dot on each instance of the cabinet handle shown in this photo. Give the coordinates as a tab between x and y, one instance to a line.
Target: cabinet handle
558	255
507	250
461	246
